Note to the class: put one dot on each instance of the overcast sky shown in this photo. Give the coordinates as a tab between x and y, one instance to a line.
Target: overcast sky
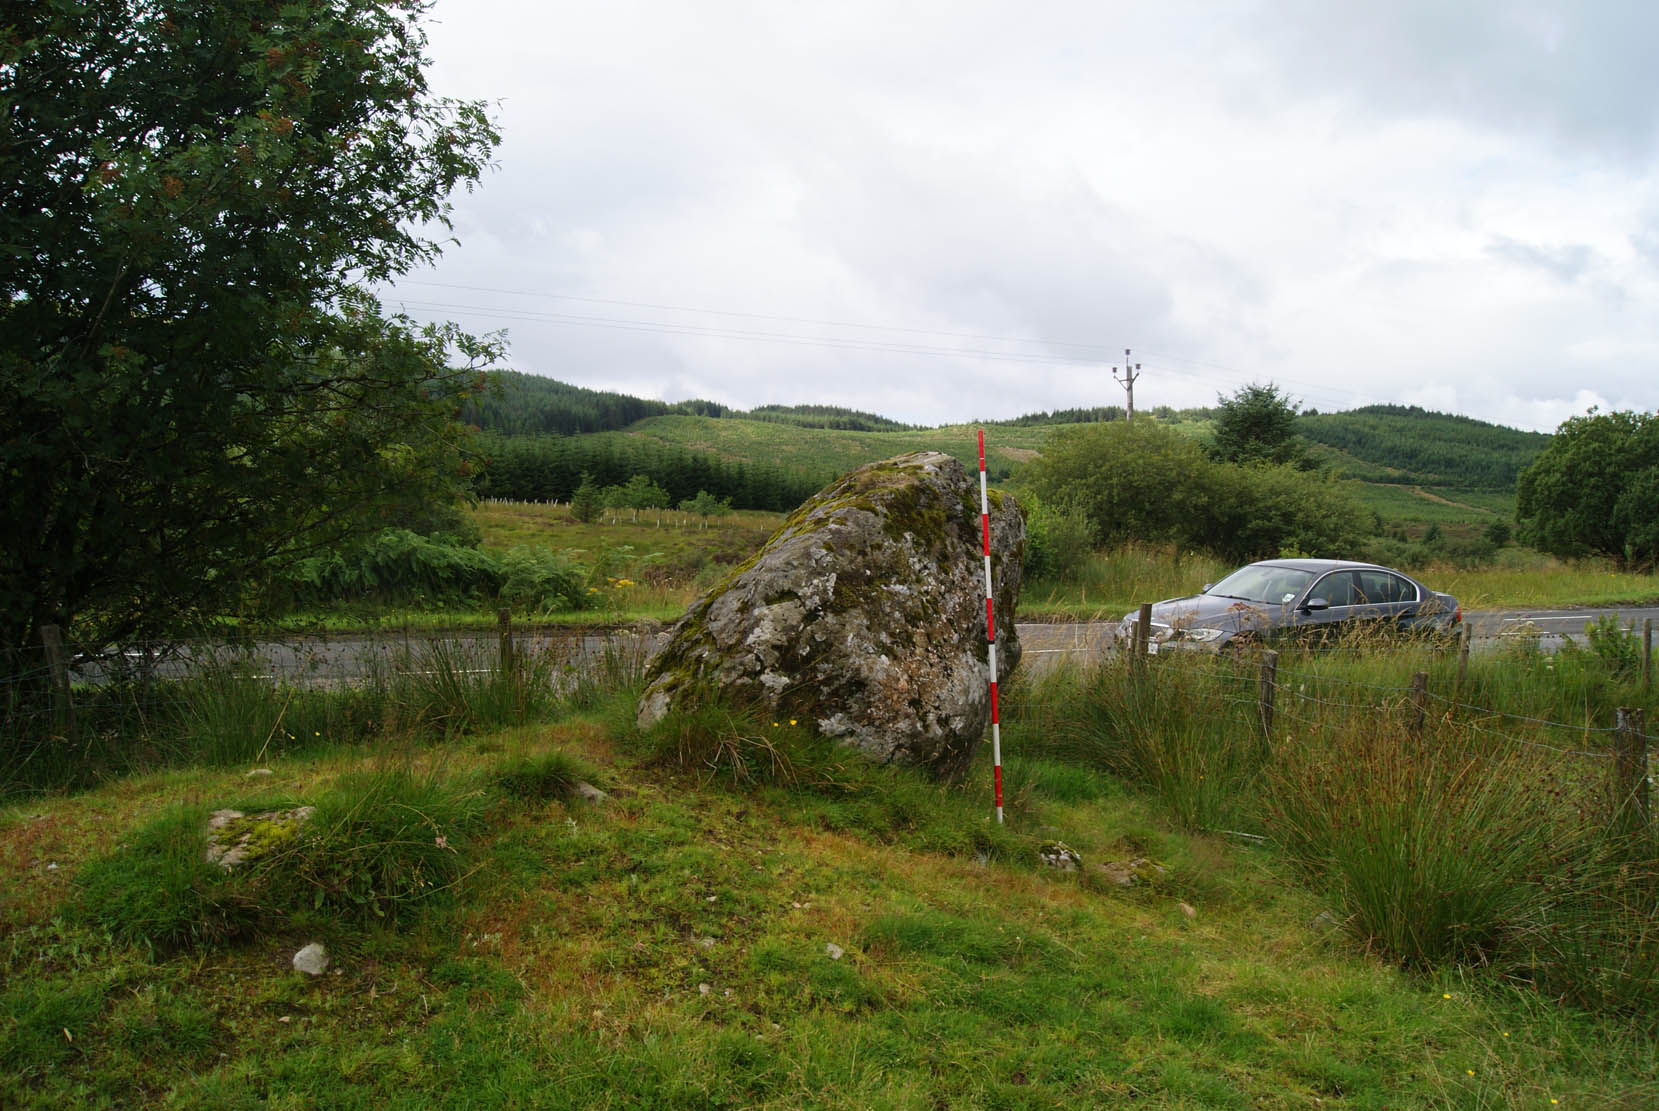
949	211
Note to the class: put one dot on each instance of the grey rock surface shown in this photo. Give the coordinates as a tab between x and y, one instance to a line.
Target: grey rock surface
312	960
864	615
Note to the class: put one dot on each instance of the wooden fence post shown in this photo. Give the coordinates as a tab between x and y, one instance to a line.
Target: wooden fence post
1143	634
504	619
1267	682
1631	812
57	665
1419	701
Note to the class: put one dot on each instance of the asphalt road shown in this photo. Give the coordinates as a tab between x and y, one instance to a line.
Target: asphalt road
323	661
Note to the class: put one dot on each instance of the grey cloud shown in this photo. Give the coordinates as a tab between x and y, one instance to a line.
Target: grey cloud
1581	75
1566	263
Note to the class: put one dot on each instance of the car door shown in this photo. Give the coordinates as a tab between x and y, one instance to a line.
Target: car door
1382	599
1337	589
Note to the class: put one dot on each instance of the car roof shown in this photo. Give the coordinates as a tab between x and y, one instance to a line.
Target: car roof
1317	565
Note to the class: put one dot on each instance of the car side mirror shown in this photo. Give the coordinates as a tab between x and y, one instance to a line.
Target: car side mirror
1206	589
1314	605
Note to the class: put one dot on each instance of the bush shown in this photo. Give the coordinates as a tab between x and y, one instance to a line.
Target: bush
1059	541
1139	481
535	580
1618	648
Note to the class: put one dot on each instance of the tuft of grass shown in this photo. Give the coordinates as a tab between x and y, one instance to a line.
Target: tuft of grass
383	843
160	890
1429	852
551	775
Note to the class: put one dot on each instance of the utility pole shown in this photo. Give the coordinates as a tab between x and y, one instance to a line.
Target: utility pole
1130	373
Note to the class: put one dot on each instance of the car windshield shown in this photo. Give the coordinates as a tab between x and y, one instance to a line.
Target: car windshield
1258	583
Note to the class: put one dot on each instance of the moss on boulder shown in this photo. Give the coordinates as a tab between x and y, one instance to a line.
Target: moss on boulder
863	614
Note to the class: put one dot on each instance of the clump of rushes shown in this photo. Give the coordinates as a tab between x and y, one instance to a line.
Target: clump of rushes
385	843
1432	851
1175	728
729	741
550	775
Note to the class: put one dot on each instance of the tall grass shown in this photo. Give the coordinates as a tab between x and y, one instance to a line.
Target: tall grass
1482	836
230	711
1111	583
1180	729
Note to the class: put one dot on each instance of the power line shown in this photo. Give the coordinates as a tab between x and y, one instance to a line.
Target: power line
670	328
762	316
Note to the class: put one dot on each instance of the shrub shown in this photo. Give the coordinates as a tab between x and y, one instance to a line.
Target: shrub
1618	647
1059	540
536	580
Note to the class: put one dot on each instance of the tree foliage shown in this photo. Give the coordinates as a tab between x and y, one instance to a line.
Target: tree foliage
1139	480
193	379
1410	445
551	468
1595	489
1257	425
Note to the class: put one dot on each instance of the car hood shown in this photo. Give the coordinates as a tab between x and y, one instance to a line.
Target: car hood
1213	612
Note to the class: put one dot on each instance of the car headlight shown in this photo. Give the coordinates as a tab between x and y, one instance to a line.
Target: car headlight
1202	636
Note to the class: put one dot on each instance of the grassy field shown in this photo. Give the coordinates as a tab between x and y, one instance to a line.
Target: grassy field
652	564
671	559
822	451
836	936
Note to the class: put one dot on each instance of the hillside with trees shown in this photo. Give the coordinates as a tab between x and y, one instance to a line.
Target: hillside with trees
1412	446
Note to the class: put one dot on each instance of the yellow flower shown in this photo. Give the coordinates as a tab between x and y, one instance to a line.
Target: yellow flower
774	725
791	721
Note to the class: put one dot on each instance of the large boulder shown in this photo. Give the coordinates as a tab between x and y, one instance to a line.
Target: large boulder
863	615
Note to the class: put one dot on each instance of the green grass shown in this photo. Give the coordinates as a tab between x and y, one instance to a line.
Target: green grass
833	453
755	919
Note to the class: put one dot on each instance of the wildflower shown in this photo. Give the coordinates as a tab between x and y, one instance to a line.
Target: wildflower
441	841
774	725
1445	995
791	721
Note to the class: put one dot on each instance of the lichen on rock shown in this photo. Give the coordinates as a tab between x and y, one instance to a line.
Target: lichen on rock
235	838
864	614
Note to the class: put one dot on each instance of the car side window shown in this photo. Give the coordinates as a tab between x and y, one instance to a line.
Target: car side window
1377	587
1337	588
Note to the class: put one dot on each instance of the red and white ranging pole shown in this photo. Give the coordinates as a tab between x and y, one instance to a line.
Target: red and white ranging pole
990	627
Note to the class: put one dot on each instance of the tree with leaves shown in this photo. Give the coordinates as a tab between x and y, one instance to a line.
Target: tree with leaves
1595	489
195	383
1257	425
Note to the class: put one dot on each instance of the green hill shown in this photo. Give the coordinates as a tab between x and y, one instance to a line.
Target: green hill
1418	468
1405	445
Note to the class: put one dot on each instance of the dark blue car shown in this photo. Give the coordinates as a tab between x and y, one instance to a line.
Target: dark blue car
1315	598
